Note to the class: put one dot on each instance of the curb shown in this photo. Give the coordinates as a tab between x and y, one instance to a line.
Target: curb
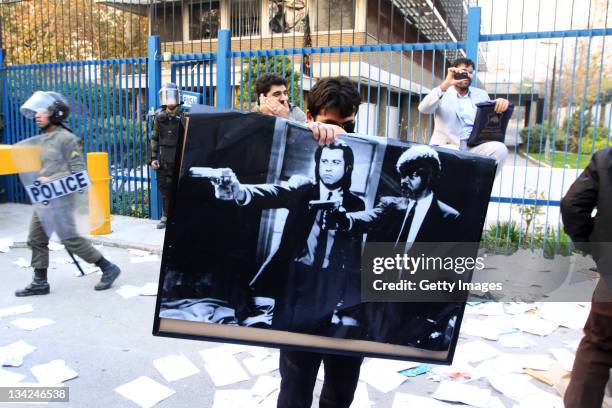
154	249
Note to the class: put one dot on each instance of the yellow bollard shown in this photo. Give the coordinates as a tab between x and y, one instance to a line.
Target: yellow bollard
19	159
99	193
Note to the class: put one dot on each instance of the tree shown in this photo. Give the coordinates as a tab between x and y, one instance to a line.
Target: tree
69	30
256	66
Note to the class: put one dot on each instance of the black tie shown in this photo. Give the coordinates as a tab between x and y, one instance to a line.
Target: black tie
320	249
403	237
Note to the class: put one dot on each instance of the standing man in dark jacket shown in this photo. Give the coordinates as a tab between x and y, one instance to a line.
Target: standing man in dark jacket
167	127
593	235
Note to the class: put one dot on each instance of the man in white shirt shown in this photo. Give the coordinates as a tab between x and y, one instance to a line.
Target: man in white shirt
453	104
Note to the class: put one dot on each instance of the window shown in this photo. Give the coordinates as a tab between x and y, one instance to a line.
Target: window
245	16
167	21
334	15
204	20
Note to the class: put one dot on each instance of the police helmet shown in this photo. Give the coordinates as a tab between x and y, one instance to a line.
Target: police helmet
53	103
169	95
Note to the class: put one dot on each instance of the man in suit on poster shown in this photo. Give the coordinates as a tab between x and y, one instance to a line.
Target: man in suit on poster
416	216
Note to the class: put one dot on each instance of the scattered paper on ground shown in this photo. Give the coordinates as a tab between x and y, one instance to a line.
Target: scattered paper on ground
15	310
514	308
475	351
231	398
55	372
175	367
403	400
551	376
265	386
362	399
13	354
259	366
467	394
486	309
223	368
128	291
6	244
149	289
383	374
9	378
22	263
516	340
534	324
572	344
564	357
31	324
144	391
569	314
459	371
482	328
143	259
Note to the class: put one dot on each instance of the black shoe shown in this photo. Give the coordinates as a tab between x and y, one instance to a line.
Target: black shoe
162	223
109	274
37	287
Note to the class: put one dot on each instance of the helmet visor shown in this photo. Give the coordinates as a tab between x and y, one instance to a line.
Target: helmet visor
169	97
39	102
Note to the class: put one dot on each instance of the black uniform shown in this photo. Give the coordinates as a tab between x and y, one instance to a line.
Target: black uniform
167	127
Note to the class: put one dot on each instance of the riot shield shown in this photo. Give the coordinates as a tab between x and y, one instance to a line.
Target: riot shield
54	175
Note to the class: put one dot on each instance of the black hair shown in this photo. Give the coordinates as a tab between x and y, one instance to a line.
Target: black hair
338	93
463	61
349	162
265	82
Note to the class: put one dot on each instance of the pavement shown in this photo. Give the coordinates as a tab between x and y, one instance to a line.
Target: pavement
108	339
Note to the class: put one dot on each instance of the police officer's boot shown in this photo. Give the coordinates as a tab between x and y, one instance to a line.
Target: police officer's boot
38	286
110	272
162	222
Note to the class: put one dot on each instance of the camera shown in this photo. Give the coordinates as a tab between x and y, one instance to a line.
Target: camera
461	75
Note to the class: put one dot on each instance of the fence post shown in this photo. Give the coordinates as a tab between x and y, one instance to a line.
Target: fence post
154	77
223	69
473	36
5	191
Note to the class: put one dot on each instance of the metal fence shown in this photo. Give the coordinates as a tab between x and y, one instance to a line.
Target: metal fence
109	106
554	67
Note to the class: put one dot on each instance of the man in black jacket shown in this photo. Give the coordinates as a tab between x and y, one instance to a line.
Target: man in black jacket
593	235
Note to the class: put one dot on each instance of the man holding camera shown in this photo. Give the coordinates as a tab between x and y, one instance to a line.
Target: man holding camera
453	105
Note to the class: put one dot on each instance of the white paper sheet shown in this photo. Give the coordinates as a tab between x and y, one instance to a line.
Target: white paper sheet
22	263
265	386
258	352
518	387
481	328
516	340
486	309
467	394
543	400
9	378
15	310
449	373
567	314
54	372
231	398
31	324
144	391
362	399
13	354
509	363
534	324
234	348
224	369
564	357
515	308
259	366
143	259
475	351
403	400
175	367
6	244
149	289
128	291
572	344
382	374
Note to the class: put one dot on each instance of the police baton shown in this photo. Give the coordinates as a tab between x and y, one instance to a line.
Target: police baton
76	262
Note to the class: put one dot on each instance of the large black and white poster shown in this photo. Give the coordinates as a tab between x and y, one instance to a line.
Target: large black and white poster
267	229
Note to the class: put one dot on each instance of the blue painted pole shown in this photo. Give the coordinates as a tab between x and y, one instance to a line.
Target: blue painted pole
4	180
154	74
223	69
472	36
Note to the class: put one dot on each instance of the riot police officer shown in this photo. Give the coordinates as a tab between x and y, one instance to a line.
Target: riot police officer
60	156
167	126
